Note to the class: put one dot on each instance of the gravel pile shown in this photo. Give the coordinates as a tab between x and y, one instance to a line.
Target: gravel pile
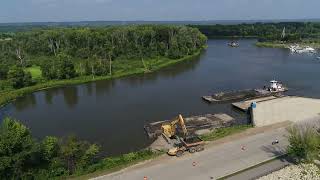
295	172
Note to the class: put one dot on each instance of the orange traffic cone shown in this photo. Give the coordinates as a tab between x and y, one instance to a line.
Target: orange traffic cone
194	163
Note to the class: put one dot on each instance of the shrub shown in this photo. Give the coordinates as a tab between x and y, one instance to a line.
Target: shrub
19	78
304	142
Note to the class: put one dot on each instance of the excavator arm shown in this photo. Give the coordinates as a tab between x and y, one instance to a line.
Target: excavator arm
169	129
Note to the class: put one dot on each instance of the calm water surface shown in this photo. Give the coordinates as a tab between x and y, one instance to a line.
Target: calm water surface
112	113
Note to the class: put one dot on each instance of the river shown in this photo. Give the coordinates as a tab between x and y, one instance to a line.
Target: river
112	112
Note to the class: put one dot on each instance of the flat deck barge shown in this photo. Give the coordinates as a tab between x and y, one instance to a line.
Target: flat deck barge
237	95
193	123
275	88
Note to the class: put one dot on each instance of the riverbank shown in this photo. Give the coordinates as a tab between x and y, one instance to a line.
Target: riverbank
10	95
103	167
239	146
286	45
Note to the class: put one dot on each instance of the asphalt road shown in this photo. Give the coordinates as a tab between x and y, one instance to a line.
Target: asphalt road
262	170
217	160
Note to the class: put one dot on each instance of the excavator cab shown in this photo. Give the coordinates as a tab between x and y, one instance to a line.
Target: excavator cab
169	129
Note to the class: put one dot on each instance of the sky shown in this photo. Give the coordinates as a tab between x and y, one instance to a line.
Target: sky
155	10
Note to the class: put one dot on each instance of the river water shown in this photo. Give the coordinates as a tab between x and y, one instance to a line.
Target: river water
112	113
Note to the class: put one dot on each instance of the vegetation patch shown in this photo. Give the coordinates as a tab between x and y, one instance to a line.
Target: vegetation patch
45	58
304	143
272	45
223	132
35	71
24	157
7	94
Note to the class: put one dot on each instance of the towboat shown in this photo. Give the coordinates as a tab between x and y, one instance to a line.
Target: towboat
233	44
275	87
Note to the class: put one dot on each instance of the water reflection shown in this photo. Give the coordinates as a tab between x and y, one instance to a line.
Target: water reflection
89	88
70	95
23	103
103	87
50	94
168	72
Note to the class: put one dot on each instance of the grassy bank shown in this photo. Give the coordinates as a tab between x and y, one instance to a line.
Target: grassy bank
271	44
7	96
223	132
286	45
112	164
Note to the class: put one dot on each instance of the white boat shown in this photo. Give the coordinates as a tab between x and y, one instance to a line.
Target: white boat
294	48
233	44
307	50
298	49
276	86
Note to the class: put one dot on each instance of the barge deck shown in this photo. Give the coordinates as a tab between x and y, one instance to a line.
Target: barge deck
194	123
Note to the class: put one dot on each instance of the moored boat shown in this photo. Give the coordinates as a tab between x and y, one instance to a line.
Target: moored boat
233	44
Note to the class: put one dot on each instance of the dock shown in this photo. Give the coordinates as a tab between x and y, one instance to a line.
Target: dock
244	105
289	108
194	123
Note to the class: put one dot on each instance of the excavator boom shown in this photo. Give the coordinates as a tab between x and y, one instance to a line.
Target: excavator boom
169	129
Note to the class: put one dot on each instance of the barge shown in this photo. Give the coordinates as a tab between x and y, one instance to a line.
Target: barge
193	124
275	88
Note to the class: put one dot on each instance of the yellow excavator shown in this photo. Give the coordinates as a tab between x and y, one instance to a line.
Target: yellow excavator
188	142
169	129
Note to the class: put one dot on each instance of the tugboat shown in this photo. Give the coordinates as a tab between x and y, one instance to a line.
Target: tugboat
233	44
275	87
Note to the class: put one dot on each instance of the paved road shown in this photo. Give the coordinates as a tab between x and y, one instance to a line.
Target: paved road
262	170
216	161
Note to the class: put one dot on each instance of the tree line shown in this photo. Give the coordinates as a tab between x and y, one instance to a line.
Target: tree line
24	157
295	31
64	53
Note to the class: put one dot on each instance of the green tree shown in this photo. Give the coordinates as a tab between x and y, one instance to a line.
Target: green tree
19	78
65	67
48	69
3	71
18	150
49	148
77	154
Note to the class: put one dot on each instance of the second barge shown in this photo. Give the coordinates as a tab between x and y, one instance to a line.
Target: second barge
193	124
274	89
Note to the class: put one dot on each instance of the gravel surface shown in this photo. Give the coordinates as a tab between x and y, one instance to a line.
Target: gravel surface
295	172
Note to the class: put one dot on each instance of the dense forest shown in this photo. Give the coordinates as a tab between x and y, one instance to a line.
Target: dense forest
295	31
66	53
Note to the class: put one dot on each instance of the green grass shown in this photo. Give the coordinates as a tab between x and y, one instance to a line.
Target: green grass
122	68
35	72
278	44
112	164
223	132
271	44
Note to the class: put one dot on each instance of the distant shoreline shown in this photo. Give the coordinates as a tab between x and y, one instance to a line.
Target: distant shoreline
7	97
